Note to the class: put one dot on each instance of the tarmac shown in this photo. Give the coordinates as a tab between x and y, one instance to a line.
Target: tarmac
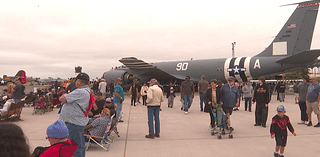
188	135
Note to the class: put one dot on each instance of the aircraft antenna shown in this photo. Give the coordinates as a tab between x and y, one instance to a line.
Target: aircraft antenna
233	45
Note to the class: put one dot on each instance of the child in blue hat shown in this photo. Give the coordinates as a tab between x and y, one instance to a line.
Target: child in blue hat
278	130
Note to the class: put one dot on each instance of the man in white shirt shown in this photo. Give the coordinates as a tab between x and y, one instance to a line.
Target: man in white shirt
103	87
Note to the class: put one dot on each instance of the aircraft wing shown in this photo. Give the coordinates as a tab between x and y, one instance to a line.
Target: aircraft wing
147	70
134	63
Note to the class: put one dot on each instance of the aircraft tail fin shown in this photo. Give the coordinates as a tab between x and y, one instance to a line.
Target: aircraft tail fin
22	74
296	35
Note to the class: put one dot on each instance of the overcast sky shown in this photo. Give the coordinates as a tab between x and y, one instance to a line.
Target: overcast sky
49	38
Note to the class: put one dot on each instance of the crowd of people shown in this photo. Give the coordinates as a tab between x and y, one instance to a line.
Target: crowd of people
88	106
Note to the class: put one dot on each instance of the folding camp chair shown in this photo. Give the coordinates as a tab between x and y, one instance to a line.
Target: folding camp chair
113	129
104	138
14	112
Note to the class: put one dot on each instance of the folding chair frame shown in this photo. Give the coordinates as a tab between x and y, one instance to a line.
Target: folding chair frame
113	129
103	140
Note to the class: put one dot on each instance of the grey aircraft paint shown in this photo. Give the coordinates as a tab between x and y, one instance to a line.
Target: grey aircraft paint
289	51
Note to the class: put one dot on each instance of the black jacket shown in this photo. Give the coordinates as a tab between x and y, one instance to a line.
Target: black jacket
279	125
261	94
208	98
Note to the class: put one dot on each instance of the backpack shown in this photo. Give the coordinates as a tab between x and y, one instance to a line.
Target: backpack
91	102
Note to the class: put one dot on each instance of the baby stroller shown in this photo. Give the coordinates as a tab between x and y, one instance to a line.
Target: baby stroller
221	122
39	106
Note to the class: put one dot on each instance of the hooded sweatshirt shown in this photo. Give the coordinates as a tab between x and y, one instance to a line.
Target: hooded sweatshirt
261	94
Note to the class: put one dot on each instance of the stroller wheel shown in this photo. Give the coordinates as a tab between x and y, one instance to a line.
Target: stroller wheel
231	136
212	133
223	132
219	137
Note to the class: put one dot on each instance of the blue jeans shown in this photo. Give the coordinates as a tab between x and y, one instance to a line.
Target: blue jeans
281	97
246	101
76	133
153	112
118	109
187	102
202	100
303	108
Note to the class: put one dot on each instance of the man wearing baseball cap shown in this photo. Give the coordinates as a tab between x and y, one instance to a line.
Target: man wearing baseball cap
109	104
118	97
230	98
72	112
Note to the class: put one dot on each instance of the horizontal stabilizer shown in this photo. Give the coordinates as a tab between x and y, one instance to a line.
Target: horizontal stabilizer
300	58
134	63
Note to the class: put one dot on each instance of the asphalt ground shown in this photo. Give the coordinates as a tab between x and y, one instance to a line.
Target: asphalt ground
188	135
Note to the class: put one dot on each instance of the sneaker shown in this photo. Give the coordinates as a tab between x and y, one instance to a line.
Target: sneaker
230	129
302	122
215	130
210	128
150	136
275	154
186	113
257	124
157	135
318	125
309	124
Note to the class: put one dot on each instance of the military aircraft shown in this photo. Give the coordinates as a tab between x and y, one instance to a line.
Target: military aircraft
50	80
20	74
289	51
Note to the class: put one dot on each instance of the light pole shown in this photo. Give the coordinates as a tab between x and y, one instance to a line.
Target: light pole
233	44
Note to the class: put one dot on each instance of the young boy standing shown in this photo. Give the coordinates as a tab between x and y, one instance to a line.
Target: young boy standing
278	130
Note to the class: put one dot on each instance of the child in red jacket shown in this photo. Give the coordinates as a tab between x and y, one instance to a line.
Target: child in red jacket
278	130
